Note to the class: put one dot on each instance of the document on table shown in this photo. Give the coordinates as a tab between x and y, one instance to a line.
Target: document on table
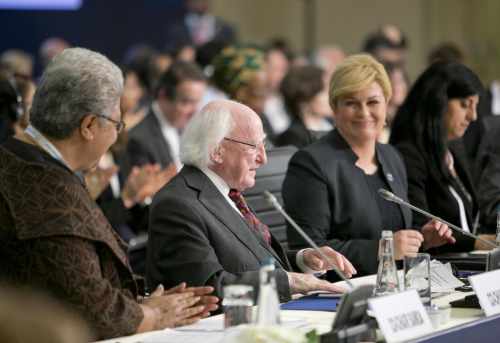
442	278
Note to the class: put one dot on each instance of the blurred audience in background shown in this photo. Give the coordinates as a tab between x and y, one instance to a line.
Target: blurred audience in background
16	96
135	97
278	59
305	95
446	52
240	72
178	94
49	48
11	108
197	27
328	57
388	44
18	63
400	84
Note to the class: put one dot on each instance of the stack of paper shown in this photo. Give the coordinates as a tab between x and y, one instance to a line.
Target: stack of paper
442	278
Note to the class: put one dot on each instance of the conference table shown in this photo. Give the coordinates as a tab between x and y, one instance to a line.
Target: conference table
464	325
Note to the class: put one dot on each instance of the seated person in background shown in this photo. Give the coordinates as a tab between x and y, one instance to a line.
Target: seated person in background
331	187
201	229
306	99
427	130
240	72
155	140
54	238
400	84
11	107
123	200
278	57
120	191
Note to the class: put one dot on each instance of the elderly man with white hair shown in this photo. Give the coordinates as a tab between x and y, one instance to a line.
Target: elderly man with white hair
201	229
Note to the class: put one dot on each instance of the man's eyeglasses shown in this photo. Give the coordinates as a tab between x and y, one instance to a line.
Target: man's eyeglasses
254	147
119	125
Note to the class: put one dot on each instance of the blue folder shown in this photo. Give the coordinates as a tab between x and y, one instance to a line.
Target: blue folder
312	303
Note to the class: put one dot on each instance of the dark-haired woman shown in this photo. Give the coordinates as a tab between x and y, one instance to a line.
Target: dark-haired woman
427	131
306	100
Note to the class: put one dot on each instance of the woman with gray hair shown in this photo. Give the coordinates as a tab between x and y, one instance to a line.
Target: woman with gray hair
53	236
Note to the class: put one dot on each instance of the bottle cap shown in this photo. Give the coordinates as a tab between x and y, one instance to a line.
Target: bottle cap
269	261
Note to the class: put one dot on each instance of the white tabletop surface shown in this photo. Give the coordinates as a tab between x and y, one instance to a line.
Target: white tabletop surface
212	328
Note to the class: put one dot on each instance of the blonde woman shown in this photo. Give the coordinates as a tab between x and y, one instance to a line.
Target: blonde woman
331	186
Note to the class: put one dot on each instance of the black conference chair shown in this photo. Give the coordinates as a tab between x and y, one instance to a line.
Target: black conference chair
270	177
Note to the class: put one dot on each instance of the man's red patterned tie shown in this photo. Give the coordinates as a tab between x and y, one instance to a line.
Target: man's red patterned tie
249	216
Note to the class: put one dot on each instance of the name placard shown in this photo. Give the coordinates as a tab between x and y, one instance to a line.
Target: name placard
401	316
487	288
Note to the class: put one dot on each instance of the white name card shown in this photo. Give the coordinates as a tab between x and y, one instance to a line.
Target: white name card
401	316
487	288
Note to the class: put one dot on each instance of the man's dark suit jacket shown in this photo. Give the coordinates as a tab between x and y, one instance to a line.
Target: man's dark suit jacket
429	190
146	143
328	196
196	236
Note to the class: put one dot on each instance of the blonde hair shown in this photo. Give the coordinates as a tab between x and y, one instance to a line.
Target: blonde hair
356	73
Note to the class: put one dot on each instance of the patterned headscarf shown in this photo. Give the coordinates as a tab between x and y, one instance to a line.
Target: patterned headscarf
235	66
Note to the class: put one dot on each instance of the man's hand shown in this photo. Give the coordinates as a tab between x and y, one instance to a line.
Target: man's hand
304	283
436	234
315	261
406	242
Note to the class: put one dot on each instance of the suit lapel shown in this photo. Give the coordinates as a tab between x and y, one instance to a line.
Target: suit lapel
216	204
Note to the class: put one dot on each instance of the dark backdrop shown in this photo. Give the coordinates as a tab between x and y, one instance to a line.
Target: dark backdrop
107	26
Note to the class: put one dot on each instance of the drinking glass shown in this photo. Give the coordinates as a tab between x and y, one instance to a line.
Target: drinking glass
237	304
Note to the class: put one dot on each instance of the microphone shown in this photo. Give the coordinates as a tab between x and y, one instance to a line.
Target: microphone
389	196
271	199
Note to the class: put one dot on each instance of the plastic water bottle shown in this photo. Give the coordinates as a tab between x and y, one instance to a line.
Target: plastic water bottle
268	310
387	275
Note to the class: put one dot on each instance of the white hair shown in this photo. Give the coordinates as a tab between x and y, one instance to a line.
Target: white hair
204	132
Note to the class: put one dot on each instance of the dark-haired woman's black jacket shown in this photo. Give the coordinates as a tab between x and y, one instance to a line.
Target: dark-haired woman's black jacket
429	190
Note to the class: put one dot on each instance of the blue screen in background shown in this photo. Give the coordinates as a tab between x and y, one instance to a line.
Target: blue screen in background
40	4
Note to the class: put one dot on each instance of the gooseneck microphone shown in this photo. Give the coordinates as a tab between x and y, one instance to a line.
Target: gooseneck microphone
389	196
271	199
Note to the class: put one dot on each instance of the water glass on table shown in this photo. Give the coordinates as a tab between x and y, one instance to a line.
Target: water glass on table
417	275
237	304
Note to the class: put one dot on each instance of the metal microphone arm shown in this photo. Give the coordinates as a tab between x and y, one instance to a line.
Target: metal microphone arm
391	197
274	202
